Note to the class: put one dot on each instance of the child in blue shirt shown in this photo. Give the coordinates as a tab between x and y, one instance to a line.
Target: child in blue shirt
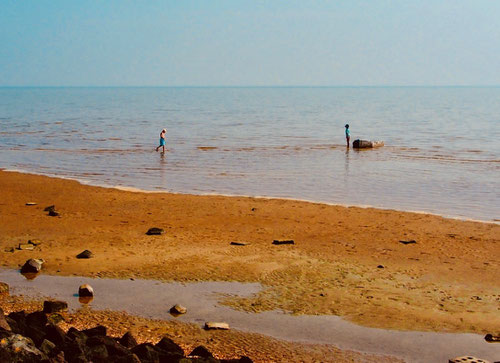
347	134
162	140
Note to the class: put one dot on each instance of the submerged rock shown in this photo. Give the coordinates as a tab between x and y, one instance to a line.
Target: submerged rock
85	254
85	290
492	338
154	231
234	243
366	144
408	242
32	265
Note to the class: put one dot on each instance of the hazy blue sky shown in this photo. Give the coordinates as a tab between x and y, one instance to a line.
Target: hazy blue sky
171	43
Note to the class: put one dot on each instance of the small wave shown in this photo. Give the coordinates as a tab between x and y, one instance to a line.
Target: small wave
207	148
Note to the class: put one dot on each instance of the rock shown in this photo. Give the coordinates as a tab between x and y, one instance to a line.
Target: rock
128	340
85	254
240	243
36	319
154	232
17	322
408	242
3	321
366	144
32	266
8	249
283	242
53	213
380	266
47	346
25	246
201	351
35	242
112	346
30	203
178	309
4	288
169	346
50	307
85	290
49	208
492	338
16	348
216	325
146	352
55	318
96	331
467	359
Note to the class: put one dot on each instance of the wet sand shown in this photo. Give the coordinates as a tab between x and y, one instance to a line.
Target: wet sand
346	261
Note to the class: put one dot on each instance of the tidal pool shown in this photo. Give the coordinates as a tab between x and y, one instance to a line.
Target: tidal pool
153	299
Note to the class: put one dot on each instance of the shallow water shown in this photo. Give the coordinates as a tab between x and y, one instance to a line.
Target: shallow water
441	156
153	299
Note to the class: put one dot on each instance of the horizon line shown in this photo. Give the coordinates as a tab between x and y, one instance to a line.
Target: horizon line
254	86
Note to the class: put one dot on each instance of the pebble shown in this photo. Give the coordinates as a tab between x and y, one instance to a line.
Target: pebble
85	290
216	325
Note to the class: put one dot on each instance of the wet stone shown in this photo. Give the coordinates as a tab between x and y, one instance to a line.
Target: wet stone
26	246
49	208
209	325
408	242
283	242
53	213
128	340
235	243
8	249
32	265
85	254
155	231
178	309
492	338
85	290
30	203
35	242
201	351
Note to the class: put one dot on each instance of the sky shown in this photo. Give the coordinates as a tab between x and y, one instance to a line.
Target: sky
249	43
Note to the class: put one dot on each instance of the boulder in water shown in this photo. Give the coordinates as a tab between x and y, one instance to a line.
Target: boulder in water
85	290
33	265
366	144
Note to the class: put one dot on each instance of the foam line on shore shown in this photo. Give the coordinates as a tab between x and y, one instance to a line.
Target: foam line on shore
139	190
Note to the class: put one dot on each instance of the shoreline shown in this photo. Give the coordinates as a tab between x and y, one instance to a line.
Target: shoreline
215	194
346	261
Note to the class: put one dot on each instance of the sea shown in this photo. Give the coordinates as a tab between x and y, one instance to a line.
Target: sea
441	152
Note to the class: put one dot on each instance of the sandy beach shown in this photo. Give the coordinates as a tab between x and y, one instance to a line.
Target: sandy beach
346	261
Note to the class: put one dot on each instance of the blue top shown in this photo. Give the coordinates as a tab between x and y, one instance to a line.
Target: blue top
347	133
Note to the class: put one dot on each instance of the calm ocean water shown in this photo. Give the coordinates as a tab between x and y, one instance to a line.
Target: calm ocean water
442	152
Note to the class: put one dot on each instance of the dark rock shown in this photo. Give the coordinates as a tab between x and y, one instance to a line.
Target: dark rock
54	306
85	254
74	351
85	290
49	208
37	319
3	321
55	318
56	335
36	334
408	242
243	359
53	213
380	266
361	144
154	232
9	249
97	353
96	331
112	346
169	346
17	348
4	288
201	351
492	338
75	334
283	242
146	352
128	340
13	325
35	242
19	317
235	243
32	266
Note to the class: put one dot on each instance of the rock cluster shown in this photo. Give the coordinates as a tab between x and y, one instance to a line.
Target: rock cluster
33	338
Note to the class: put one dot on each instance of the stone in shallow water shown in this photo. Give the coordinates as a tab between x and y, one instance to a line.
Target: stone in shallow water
26	246
85	290
154	231
53	213
408	242
178	309
216	325
236	243
85	254
30	203
32	265
492	338
49	208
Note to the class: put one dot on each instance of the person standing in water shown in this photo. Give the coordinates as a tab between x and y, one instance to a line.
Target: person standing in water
347	134
162	140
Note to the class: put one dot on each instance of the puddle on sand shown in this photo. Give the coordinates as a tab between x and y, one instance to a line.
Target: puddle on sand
153	299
